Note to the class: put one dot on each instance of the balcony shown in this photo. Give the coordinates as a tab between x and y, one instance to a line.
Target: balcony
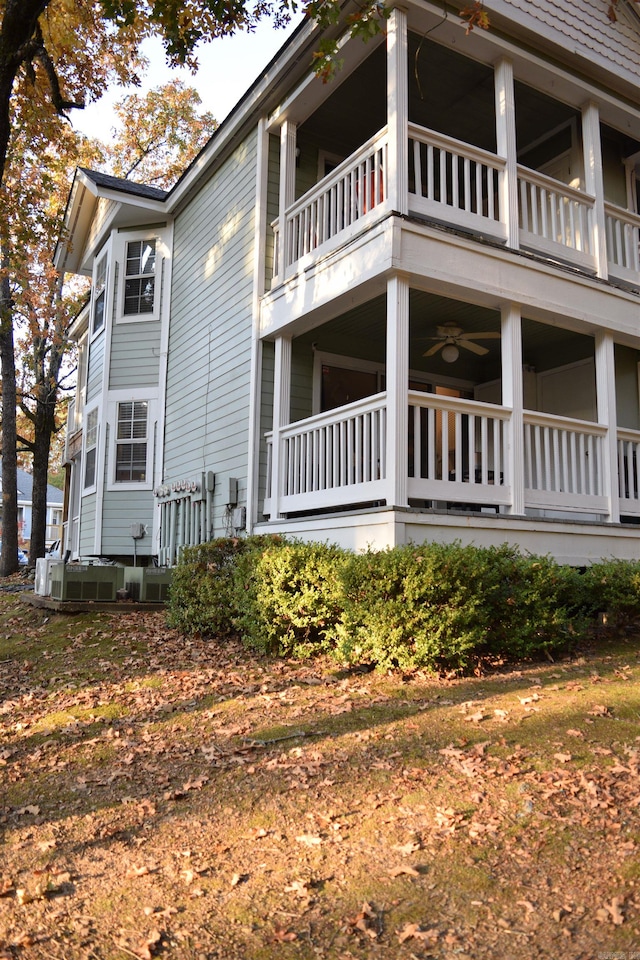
462	187
459	456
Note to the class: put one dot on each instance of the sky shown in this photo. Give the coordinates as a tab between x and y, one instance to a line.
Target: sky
228	67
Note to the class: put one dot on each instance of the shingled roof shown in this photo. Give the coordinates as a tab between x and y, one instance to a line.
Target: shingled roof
124	186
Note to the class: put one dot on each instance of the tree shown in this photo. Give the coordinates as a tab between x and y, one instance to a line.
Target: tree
158	134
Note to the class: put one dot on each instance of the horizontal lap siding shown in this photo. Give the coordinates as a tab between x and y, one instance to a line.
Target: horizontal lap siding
208	388
87	525
120	509
135	352
95	368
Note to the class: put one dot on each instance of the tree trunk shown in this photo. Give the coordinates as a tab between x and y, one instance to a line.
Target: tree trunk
9	556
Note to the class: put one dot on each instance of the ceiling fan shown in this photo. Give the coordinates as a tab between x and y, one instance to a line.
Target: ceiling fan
451	336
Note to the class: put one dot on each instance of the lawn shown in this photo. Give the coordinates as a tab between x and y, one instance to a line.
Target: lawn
183	799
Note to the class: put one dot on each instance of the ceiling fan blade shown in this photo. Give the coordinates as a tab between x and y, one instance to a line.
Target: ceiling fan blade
479	336
434	349
473	347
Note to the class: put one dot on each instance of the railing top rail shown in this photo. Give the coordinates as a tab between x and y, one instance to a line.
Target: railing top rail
338	173
548	183
426	135
620	214
535	418
458	405
366	405
624	433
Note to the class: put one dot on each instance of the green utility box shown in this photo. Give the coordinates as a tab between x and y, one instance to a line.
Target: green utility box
148	584
85	581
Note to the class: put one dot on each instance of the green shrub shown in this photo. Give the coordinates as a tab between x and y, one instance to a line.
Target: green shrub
613	587
288	597
202	598
440	605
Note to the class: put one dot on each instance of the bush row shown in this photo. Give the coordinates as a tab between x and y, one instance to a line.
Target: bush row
430	606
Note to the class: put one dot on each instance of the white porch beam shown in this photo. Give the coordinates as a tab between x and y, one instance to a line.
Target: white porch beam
607	415
397	370
594	183
507	148
512	396
281	416
397	111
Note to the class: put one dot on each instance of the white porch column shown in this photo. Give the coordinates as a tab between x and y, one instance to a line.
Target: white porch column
512	396
594	183
281	414
259	233
607	414
397	112
506	146
288	135
397	371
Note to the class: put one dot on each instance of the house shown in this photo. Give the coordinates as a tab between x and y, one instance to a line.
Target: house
400	306
54	510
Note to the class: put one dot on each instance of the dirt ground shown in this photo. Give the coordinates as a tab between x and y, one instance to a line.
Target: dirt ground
172	797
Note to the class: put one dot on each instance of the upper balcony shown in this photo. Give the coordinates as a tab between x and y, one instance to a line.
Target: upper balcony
468	147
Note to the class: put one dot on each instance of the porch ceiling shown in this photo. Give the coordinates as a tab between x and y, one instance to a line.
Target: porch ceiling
361	333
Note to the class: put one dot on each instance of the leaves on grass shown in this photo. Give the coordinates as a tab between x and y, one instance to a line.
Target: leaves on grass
413	931
365	922
282	935
611	912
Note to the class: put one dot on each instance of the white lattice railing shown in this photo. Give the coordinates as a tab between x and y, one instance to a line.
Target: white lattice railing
457	450
555	218
563	463
629	471
454	181
353	189
623	239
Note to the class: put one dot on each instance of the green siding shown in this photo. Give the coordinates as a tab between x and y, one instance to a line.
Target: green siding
95	367
135	353
87	525
208	389
120	509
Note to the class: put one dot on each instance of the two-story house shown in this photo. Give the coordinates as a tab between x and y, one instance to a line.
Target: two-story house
399	306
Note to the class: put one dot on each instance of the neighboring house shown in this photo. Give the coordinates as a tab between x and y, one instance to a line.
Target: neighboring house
399	306
54	510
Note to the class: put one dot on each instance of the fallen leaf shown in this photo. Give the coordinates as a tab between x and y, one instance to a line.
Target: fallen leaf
611	911
399	871
562	757
282	935
407	849
476	717
413	931
309	840
149	947
30	808
599	710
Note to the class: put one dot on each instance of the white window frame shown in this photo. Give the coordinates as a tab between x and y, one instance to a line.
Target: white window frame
115	400
86	449
96	293
124	240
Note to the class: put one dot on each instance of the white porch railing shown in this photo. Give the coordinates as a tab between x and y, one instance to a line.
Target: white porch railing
353	189
455	182
457	450
623	240
333	459
460	185
563	463
555	218
629	472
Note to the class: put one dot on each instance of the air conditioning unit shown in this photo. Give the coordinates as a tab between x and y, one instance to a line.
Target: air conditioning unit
84	581
42	585
148	584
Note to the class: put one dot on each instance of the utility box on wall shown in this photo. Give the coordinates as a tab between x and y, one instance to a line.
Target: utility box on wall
85	581
148	584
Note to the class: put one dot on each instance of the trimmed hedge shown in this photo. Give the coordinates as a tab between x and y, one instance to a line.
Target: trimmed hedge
432	606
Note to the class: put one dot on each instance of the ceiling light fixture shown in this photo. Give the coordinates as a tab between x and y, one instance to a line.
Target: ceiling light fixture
450	353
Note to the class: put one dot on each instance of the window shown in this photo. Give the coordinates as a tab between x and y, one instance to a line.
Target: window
91	445
139	284
131	442
99	295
